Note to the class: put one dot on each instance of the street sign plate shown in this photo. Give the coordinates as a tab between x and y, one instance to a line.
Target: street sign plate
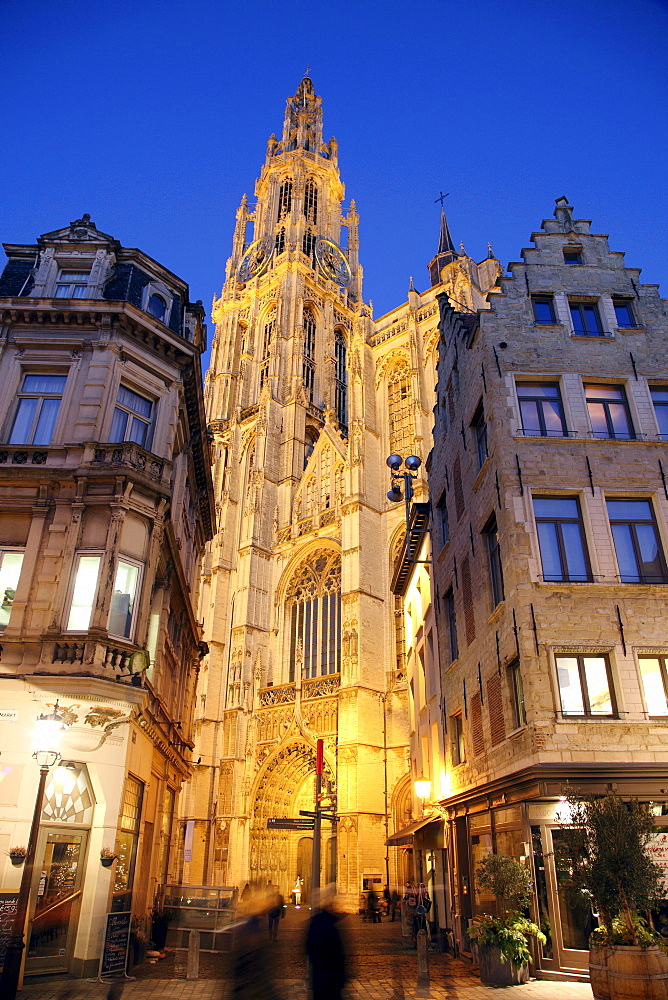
290	823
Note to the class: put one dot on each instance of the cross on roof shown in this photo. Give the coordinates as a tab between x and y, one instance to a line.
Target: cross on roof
441	198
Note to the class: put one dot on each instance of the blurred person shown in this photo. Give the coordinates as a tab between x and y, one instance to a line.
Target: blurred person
372	906
395	903
251	962
325	949
276	911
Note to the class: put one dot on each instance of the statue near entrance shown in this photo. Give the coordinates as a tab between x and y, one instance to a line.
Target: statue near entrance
297	890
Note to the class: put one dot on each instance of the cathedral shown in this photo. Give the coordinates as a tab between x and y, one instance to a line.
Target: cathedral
306	396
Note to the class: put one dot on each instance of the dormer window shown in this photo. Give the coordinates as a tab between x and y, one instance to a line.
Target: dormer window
572	255
72	284
157	307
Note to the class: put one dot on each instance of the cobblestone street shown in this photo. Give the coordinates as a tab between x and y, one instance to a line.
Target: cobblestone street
381	969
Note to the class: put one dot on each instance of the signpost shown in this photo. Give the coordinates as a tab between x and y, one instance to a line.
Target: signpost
286	823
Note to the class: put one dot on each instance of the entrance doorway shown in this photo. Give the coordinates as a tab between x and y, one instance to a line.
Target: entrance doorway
304	864
59	867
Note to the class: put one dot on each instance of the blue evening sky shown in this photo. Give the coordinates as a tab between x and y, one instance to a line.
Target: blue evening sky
153	116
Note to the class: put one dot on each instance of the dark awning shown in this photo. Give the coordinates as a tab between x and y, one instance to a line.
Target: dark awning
406	835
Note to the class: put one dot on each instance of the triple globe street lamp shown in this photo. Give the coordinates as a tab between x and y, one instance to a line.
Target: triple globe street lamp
45	751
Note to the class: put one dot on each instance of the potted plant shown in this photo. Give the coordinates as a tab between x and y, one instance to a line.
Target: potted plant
503	939
107	857
17	855
604	857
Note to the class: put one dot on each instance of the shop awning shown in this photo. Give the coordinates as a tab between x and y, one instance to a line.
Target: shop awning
405	836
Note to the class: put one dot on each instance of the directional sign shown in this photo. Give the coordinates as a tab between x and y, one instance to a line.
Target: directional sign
323	815
287	823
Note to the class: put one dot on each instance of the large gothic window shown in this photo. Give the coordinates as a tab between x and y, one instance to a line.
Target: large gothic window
311	202
313	614
284	199
400	410
341	380
308	359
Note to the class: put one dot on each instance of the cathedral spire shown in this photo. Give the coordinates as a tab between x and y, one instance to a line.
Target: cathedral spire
446	252
302	127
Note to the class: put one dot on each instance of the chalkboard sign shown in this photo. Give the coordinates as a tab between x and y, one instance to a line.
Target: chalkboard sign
8	902
116	941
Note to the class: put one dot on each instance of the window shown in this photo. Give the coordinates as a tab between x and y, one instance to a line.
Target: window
541	410
127	841
84	590
458	748
267	334
517	694
284	199
494	554
123	604
639	555
624	312
72	284
655	683
586	321
10	570
451	619
400	410
314	613
308	245
132	418
608	411
543	309
39	403
442	519
572	255
561	539
308	357
659	395
311	202
585	686
479	428
341	379
279	242
157	307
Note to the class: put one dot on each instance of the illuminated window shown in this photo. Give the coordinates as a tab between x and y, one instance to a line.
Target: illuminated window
39	403
308	357
126	845
341	380
585	685
608	411
311	202
132	417
655	683
72	284
10	571
541	409
313	609
400	410
284	199
84	591
123	599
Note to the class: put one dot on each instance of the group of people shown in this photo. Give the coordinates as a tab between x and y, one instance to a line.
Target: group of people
260	901
373	906
415	907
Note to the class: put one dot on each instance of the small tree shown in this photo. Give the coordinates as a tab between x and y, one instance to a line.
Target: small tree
604	858
506	879
510	882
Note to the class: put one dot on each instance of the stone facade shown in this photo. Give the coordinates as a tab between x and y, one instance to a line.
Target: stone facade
306	396
105	506
551	507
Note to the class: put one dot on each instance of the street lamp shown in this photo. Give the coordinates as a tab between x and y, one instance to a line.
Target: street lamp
45	742
422	787
404	480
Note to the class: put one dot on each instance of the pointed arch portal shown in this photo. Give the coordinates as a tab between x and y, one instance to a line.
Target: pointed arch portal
285	785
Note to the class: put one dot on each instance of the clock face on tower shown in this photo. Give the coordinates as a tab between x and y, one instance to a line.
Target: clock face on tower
256	259
332	262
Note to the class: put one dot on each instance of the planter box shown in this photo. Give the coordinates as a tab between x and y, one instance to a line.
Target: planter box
494	972
598	972
637	973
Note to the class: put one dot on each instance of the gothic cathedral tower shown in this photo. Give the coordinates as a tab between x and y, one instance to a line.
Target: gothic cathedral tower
305	397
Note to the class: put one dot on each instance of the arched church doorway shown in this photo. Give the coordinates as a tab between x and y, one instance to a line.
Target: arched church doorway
285	785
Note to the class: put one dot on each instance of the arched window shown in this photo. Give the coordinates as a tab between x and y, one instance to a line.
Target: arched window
313	613
308	358
284	199
341	381
267	334
400	410
279	242
311	202
157	307
308	245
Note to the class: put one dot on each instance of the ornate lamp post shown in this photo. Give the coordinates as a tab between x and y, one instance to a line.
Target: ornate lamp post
45	743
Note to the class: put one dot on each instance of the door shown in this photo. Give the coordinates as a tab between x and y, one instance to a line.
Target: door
570	918
59	867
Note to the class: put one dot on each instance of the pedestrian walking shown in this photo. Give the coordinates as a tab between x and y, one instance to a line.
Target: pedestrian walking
325	949
373	906
395	903
276	911
251	962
